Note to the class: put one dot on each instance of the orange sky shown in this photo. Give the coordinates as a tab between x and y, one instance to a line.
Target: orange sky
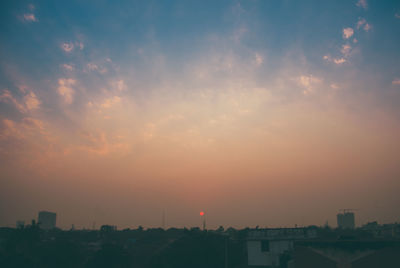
267	113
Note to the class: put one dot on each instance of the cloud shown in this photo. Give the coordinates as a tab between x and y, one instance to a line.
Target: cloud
65	89
8	97
308	82
68	67
29	17
70	46
348	32
94	67
334	86
101	143
23	136
258	59
120	85
9	130
67	47
108	103
397	15
362	23
346	50
30	101
80	45
396	81
20	130
362	3
337	61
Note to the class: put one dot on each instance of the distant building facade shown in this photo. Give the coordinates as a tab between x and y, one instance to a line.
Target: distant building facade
347	253
387	231
108	228
47	220
346	220
268	247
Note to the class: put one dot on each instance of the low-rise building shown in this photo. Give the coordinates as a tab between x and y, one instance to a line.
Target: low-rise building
268	247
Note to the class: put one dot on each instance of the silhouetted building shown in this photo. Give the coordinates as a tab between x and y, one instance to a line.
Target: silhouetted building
47	220
345	220
268	247
108	228
355	254
382	230
20	224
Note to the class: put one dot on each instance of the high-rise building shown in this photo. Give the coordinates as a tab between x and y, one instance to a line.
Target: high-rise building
345	220
47	220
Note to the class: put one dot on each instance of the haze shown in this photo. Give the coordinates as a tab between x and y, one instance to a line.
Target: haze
268	113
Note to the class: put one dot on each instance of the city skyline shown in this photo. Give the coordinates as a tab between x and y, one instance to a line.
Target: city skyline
268	113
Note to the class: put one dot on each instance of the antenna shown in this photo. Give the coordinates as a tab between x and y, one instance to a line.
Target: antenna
202	214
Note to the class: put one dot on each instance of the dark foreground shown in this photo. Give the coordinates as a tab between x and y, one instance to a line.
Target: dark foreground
191	248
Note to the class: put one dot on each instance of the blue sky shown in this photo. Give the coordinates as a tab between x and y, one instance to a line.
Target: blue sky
182	31
240	87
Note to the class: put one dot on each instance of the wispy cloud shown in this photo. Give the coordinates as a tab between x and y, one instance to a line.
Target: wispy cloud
362	23
29	17
65	89
19	130
258	59
362	3
68	67
92	66
397	15
120	85
67	47
29	102
108	103
80	45
337	61
24	135
308	82
396	81
101	143
334	86
346	48
348	32
8	97
95	67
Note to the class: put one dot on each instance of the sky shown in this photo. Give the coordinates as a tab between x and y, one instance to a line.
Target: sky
259	113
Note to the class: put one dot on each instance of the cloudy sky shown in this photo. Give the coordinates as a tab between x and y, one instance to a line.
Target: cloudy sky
269	113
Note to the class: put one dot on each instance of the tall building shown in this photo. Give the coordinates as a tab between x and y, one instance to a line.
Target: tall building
47	220
345	220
